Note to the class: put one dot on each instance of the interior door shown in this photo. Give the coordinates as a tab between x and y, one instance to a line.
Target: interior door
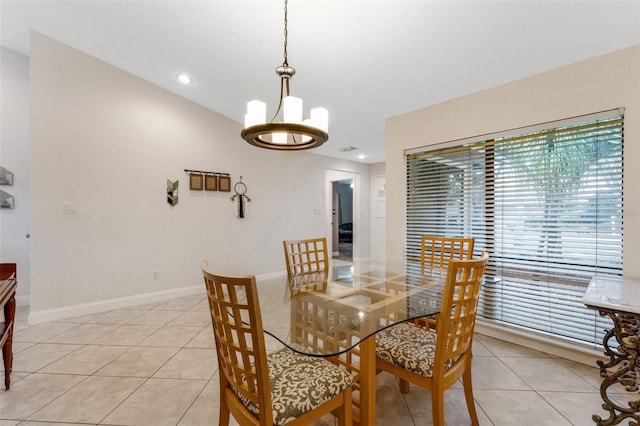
378	217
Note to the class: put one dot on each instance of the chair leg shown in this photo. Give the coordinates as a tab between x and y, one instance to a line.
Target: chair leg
437	406
223	415
344	413
468	396
223	409
404	386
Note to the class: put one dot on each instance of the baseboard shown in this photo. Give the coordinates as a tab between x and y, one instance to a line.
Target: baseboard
270	276
56	314
573	351
23	300
46	315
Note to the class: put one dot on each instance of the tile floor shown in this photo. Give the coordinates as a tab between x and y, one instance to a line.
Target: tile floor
156	365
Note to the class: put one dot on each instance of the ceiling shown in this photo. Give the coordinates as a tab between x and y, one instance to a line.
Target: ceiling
364	61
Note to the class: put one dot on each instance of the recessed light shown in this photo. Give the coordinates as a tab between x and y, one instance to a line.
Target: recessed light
184	78
361	157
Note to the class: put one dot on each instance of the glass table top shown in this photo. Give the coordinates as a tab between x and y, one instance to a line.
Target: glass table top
330	312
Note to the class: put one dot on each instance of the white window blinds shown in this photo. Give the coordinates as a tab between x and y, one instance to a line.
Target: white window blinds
546	205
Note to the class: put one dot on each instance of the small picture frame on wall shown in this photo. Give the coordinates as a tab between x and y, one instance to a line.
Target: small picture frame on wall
224	183
196	182
210	182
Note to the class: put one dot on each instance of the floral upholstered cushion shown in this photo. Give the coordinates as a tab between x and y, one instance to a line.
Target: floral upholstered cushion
300	384
409	347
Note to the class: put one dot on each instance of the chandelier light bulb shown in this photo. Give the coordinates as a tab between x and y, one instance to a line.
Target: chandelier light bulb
320	118
256	113
292	110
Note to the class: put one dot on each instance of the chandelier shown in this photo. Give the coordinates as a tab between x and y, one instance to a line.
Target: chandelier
292	133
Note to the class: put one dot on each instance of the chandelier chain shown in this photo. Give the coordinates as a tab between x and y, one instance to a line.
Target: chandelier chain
286	60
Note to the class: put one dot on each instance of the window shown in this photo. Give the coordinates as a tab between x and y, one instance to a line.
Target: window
545	204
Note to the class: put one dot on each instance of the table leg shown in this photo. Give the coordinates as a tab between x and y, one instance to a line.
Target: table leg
7	348
625	356
368	381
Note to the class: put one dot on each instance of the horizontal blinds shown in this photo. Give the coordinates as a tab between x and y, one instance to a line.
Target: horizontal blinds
546	205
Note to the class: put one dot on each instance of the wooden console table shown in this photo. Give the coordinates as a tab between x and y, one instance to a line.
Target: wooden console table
619	299
8	284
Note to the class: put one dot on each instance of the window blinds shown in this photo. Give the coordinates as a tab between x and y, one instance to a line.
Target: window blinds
546	205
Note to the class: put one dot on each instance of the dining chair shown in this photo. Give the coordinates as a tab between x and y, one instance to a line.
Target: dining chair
308	255
435	360
260	389
435	253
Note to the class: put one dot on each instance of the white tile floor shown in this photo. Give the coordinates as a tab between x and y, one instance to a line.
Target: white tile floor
155	365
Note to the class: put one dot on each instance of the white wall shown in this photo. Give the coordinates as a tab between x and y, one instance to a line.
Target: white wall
598	84
378	169
108	141
14	156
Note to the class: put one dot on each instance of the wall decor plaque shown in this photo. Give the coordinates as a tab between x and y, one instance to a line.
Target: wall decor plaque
196	182
224	183
210	182
172	192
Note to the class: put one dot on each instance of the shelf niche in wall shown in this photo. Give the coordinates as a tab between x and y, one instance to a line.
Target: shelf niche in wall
6	177
6	200
172	192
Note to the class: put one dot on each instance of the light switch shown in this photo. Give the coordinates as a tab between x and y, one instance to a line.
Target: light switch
69	207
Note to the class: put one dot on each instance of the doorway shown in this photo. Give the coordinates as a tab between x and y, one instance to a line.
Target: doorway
342	212
343	209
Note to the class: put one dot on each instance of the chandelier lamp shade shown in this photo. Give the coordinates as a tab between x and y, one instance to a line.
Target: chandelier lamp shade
292	133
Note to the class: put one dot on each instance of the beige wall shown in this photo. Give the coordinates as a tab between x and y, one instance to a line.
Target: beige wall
598	84
108	141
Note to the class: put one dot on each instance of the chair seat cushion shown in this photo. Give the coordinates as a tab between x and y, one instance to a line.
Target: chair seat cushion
300	383
410	347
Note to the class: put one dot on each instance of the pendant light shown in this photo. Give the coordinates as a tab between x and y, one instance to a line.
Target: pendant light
292	133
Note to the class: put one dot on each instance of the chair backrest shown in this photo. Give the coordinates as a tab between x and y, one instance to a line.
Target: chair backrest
437	252
239	337
306	255
460	301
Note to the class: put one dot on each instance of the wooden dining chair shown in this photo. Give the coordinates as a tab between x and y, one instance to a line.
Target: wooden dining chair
308	255
435	254
435	360
260	389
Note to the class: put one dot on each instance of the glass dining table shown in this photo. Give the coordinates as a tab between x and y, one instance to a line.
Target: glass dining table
337	313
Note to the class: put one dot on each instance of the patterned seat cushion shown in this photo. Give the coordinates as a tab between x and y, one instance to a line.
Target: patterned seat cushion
300	384
410	347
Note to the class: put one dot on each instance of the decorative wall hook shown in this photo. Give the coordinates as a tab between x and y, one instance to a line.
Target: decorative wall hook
240	198
209	181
